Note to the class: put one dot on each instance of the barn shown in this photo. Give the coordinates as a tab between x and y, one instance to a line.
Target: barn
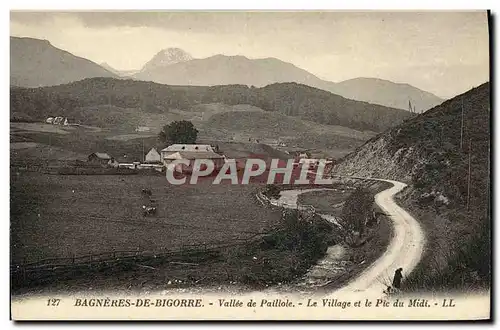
99	158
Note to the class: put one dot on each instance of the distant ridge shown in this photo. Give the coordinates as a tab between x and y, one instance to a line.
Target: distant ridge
229	70
35	62
121	73
388	93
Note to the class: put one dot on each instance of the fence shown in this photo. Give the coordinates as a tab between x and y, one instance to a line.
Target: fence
111	256
21	272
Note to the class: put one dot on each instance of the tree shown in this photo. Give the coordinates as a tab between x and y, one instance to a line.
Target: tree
179	132
357	209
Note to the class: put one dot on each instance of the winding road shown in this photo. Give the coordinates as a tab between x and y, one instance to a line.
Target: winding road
404	250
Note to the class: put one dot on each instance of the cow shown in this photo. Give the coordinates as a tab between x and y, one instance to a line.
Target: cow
148	210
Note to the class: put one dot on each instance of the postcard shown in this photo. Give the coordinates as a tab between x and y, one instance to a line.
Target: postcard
250	165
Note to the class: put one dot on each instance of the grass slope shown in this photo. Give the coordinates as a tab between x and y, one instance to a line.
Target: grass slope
58	216
427	153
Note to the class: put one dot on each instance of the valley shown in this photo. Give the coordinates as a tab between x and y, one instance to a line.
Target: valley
66	207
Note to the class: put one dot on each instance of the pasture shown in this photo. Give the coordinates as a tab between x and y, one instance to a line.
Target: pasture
61	216
326	201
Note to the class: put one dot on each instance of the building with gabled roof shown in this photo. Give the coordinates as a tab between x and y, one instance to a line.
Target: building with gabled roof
100	158
188	147
185	148
191	156
152	156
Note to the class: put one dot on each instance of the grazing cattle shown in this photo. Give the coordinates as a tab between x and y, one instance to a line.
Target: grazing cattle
148	210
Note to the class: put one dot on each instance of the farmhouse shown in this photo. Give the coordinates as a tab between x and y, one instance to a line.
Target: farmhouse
186	147
152	157
191	156
100	158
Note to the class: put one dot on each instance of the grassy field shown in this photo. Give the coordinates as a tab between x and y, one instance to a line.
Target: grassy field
326	201
57	216
281	256
271	126
113	126
39	127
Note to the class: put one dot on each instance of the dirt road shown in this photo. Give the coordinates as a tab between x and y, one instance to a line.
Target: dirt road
404	250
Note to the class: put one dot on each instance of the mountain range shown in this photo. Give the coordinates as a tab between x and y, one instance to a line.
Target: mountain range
37	63
228	70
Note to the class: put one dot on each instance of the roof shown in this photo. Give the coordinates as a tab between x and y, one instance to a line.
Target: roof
188	147
311	160
101	155
194	155
153	150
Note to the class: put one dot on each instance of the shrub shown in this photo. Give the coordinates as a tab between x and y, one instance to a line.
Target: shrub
272	191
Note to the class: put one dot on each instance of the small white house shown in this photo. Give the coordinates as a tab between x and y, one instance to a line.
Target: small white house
142	129
58	120
303	155
152	156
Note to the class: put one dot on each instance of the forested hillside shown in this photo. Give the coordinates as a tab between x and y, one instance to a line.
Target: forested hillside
287	98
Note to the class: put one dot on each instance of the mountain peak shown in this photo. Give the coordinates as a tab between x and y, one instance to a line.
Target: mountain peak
35	63
168	56
106	66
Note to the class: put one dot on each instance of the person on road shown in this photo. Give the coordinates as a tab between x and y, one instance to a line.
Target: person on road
396	283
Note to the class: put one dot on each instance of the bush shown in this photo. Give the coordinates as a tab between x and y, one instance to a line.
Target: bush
272	191
358	209
290	251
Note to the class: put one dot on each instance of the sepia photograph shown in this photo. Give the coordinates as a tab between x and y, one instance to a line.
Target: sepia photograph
250	165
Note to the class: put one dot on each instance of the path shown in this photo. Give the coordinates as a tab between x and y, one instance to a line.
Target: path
405	249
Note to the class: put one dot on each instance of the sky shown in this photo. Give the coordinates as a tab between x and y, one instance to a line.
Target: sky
445	53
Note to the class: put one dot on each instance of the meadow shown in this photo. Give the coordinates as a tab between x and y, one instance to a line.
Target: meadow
66	215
